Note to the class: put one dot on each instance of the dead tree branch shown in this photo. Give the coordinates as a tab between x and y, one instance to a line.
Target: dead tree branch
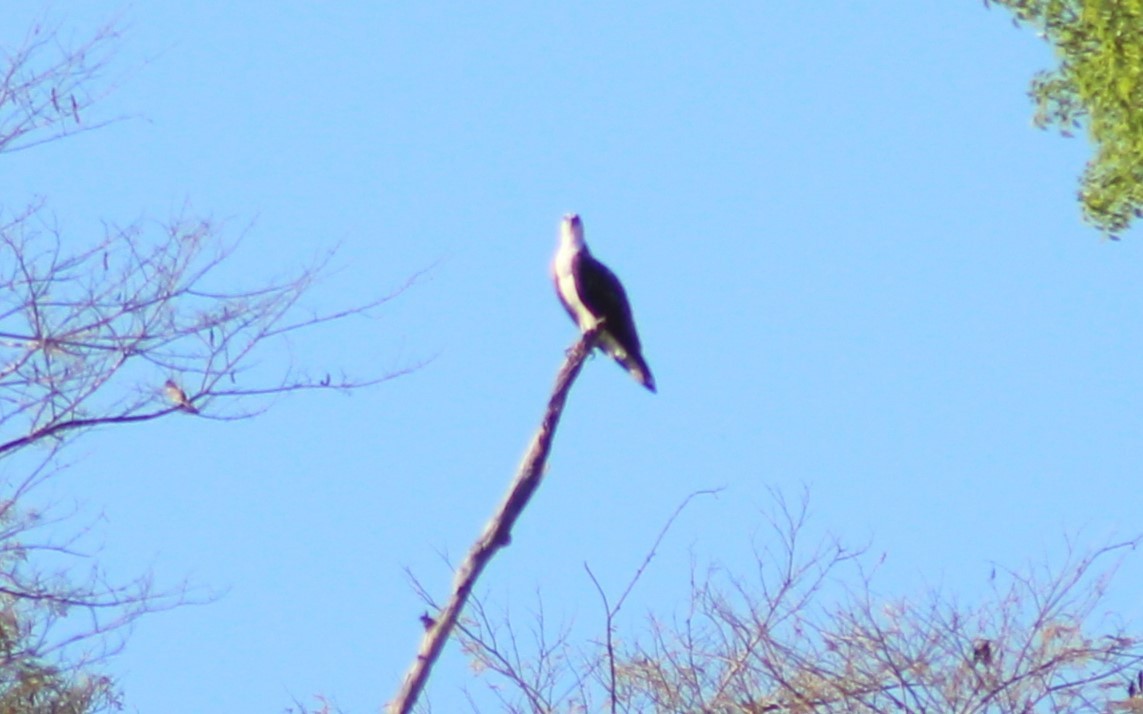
497	534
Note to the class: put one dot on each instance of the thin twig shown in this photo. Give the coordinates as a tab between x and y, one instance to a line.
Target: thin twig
612	693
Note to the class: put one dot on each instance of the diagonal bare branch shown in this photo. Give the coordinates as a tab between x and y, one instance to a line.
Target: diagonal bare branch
497	533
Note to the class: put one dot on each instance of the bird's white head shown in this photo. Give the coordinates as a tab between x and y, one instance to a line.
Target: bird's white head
571	231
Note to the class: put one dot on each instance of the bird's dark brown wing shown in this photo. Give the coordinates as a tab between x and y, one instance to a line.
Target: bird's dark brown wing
603	294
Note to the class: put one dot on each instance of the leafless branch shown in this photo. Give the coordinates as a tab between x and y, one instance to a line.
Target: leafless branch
609	647
88	339
497	533
47	85
803	634
138	325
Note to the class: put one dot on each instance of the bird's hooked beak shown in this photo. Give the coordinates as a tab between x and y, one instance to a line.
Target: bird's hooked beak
571	230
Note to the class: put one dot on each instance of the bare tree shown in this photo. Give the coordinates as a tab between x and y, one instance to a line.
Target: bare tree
139	324
806	633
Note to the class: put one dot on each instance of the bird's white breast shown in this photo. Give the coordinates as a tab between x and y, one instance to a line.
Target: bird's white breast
565	283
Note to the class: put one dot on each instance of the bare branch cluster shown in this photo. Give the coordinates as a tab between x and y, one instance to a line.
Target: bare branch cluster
143	322
537	661
89	337
47	86
806	633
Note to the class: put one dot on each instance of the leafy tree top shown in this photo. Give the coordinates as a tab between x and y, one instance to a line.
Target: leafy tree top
1098	85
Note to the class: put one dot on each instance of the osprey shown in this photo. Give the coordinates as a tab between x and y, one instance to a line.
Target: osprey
592	295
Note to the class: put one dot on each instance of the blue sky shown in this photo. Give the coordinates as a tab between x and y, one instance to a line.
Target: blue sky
855	266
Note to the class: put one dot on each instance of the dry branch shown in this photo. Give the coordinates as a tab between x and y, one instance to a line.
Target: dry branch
497	534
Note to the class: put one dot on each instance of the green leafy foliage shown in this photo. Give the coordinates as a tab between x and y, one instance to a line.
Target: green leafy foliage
1098	85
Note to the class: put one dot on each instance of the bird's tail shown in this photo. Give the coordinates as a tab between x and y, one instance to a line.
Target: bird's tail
637	367
629	360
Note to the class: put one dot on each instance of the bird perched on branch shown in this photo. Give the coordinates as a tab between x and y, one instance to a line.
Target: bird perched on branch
982	652
176	394
592	295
